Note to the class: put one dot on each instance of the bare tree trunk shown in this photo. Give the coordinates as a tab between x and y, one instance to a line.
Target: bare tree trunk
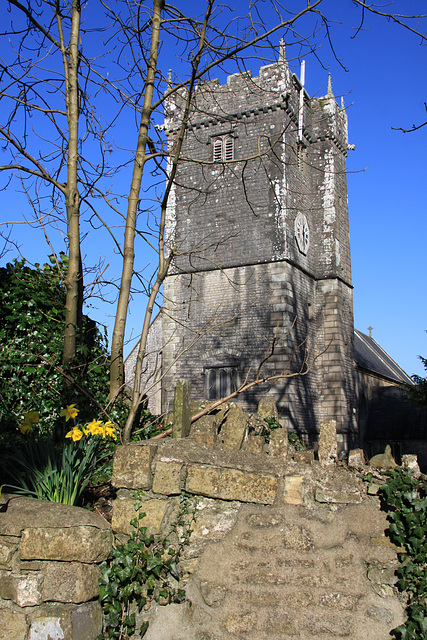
74	278
116	364
164	262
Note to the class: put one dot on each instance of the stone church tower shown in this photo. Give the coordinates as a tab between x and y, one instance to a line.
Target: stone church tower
260	220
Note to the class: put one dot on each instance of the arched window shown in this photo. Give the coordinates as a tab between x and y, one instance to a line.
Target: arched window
223	149
220	382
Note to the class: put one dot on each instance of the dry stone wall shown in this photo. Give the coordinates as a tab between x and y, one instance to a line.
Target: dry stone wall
49	556
283	546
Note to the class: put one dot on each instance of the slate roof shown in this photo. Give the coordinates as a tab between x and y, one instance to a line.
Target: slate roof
369	355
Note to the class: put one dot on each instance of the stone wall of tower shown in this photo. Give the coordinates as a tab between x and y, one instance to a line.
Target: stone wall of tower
262	240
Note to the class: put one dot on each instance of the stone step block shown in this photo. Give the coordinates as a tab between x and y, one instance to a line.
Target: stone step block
231	484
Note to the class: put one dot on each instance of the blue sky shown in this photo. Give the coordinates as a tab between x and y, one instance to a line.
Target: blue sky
384	86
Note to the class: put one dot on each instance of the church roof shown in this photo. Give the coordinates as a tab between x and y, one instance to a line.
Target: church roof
369	355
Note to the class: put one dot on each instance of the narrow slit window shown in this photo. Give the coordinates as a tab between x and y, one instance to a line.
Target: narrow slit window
301	158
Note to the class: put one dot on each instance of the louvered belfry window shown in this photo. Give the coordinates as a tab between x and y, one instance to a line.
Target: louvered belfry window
217	150
228	149
223	149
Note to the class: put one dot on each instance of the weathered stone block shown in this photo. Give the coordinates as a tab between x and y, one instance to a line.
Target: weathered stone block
23	589
278	445
381	614
66	621
132	465
213	594
168	477
383	460
214	520
356	459
254	444
230	484
255	425
21	511
13	625
86	621
373	488
203	430
181	409
384	541
70	582
79	544
410	461
7	549
233	430
328	442
267	408
303	457
124	511
293	490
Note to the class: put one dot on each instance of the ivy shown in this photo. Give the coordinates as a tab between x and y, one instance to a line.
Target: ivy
31	343
293	438
404	497
141	570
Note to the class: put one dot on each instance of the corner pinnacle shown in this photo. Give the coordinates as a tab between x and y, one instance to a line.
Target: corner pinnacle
330	92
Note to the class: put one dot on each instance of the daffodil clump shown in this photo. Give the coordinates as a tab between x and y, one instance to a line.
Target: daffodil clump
30	418
59	472
94	428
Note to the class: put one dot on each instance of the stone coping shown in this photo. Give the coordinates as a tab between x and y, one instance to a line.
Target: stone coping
23	513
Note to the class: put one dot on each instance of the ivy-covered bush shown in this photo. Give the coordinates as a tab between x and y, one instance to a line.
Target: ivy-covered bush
31	341
404	497
141	570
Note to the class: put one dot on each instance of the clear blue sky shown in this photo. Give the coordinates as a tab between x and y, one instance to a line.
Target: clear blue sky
384	86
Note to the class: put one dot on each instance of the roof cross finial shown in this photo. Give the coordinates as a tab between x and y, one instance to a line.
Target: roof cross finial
370	331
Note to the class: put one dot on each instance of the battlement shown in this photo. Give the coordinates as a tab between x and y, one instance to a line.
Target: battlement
244	96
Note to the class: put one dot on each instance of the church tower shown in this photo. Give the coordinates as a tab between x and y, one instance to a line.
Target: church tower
259	217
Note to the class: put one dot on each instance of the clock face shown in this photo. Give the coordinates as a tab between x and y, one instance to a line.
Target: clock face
302	233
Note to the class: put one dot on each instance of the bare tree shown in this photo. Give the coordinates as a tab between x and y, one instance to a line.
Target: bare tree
40	77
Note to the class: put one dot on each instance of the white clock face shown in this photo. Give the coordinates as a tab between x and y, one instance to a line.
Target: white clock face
302	233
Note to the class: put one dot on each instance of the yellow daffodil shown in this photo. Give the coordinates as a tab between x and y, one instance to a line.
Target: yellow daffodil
32	417
110	430
96	428
75	434
69	412
25	427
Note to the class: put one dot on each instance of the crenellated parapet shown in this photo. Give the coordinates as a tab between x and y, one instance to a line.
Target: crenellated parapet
244	97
